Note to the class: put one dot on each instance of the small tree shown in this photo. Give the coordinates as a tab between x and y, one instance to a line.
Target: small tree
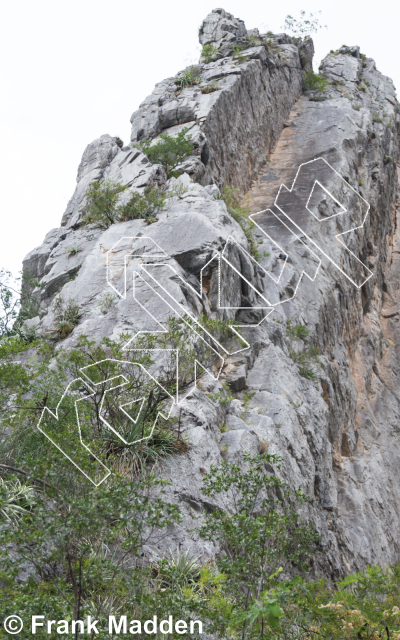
101	203
259	532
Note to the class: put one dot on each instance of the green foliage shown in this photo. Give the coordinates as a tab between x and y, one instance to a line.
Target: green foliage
270	46
101	203
119	142
315	81
209	53
17	304
15	500
102	206
179	571
209	88
230	195
142	206
9	301
356	107
70	538
297	331
305	25
259	533
72	251
67	314
237	53
376	117
169	151
254	41
306	358
189	78
107	300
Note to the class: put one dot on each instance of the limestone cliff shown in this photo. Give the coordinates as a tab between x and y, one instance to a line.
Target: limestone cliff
339	436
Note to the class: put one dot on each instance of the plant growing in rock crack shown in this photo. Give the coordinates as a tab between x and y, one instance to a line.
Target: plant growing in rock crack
237	53
142	206
230	195
376	117
212	86
270	46
103	207
189	77
170	151
209	53
307	359
72	251
254	41
107	300
314	81
67	314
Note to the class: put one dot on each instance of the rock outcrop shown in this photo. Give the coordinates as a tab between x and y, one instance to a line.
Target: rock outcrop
338	435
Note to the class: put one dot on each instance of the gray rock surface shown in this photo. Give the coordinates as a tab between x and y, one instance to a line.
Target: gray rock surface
337	434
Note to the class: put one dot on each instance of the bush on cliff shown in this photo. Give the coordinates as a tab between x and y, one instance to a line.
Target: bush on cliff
102	207
169	151
314	81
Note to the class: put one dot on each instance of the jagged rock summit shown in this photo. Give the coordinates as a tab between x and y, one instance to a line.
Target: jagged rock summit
338	430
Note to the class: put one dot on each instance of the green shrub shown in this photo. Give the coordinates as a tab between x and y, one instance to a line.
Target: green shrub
189	78
209	53
67	315
102	208
72	251
209	88
169	151
142	206
297	331
106	302
307	359
15	500
254	41
314	81
376	117
237	53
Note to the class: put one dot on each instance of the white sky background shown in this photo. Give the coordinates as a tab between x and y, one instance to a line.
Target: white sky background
73	70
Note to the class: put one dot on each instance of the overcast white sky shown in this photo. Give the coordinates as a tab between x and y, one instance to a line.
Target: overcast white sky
73	70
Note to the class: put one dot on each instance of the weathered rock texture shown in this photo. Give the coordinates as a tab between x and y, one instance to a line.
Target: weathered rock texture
339	437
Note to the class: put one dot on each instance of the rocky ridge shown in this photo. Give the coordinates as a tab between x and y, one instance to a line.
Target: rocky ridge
338	436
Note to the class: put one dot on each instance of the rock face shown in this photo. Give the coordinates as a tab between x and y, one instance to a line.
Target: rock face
336	151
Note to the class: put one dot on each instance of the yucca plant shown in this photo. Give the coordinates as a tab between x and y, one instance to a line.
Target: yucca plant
15	500
178	571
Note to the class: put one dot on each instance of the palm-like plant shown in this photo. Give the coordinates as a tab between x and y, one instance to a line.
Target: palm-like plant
15	499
